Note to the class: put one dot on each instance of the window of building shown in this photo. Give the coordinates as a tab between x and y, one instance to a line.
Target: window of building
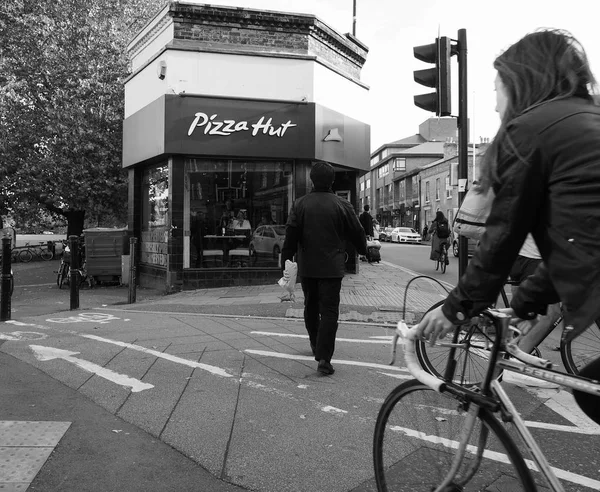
155	213
448	188
402	190
378	198
383	170
437	189
368	184
390	192
415	187
399	164
427	191
375	159
235	212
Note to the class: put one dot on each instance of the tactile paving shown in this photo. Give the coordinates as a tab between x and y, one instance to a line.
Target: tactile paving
24	433
21	464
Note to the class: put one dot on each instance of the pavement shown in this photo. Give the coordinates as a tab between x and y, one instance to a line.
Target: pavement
211	387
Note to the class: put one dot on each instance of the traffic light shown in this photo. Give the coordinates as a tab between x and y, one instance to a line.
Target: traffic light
439	52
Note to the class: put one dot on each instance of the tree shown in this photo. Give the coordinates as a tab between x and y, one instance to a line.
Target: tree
62	66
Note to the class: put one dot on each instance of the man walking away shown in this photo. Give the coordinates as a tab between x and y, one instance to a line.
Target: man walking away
317	229
367	223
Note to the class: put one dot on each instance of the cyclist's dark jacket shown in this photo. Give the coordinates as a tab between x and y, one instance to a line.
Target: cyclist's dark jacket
317	229
555	194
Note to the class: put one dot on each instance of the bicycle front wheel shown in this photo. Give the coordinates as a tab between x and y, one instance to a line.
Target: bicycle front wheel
47	255
416	436
472	360
578	353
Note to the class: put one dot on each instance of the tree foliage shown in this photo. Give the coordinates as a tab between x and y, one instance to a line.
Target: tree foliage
62	67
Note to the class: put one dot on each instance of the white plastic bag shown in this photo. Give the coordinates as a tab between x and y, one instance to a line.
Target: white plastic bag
288	281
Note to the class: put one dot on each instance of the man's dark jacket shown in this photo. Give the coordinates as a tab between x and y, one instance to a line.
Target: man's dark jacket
551	188
367	222
317	229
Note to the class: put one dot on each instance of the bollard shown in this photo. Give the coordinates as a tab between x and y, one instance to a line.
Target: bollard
73	273
6	281
132	264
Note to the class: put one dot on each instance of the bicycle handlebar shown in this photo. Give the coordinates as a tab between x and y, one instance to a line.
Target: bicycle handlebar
409	338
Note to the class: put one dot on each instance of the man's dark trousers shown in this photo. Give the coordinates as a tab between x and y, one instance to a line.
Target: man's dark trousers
321	313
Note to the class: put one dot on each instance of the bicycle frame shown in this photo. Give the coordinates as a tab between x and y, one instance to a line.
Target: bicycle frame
491	397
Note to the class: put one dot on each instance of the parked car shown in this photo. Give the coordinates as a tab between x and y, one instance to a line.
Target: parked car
267	240
472	244
405	235
386	234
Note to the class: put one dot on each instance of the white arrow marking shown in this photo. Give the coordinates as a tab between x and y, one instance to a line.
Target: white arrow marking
334	361
217	371
290	335
49	353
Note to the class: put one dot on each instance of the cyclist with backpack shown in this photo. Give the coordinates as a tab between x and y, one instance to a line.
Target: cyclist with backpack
440	234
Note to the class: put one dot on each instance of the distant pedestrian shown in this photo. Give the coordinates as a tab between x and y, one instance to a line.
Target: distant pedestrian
317	229
425	231
440	233
366	220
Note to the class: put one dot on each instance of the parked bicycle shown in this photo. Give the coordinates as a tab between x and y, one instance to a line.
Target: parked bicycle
63	276
432	434
43	251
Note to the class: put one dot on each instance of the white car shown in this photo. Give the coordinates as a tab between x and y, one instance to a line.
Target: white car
405	235
267	240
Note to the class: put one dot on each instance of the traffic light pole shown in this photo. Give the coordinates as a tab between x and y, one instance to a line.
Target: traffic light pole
463	143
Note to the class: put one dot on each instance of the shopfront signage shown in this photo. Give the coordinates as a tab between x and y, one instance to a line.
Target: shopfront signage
212	125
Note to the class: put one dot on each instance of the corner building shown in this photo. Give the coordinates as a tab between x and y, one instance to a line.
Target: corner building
226	110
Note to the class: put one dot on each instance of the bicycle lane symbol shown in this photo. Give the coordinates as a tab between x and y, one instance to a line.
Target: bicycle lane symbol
100	318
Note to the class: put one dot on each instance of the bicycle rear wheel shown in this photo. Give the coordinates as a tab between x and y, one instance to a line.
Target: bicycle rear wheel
25	256
47	255
416	436
443	257
580	352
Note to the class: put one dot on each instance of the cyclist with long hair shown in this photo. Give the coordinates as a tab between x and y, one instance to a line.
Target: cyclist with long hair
544	167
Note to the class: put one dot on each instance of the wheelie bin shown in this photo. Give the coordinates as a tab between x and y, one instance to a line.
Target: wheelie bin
104	248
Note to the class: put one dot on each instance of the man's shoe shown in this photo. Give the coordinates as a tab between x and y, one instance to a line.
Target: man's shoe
325	367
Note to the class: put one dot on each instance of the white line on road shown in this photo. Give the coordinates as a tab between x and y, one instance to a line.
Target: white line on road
334	361
493	455
217	371
49	353
291	335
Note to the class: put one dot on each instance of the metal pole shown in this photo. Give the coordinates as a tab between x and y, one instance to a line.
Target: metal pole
6	280
463	142
73	273
354	18
132	264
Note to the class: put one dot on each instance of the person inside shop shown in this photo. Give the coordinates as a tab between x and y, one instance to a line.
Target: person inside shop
265	219
226	221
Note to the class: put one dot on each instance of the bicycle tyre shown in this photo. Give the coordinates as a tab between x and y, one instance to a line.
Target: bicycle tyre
578	353
471	362
25	256
47	255
63	271
414	441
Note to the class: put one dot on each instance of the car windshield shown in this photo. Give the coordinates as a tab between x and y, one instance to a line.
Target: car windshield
279	230
405	229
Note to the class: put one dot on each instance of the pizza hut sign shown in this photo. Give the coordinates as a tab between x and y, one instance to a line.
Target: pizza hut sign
212	125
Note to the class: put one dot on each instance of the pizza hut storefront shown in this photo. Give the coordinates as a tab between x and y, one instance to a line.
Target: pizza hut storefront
212	180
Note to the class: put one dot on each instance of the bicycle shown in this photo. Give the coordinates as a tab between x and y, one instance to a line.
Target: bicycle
432	434
473	360
27	254
442	260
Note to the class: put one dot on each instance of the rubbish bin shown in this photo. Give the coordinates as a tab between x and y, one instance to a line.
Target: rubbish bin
104	248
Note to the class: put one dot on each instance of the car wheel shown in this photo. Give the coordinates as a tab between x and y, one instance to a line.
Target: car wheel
455	248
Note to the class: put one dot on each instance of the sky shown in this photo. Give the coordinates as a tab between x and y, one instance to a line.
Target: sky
391	28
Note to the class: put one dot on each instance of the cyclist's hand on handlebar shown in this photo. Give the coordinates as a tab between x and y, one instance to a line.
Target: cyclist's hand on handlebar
434	325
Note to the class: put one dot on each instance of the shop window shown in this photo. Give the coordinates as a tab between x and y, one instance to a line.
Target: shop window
155	211
235	212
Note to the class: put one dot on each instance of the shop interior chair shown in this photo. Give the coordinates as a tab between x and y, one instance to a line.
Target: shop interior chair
239	256
212	257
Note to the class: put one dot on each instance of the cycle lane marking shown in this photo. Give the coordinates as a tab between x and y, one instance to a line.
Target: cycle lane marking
378	340
500	457
45	354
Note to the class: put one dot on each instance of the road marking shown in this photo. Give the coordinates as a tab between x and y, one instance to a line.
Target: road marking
334	361
330	409
101	318
495	456
17	336
563	404
398	376
50	353
290	335
217	371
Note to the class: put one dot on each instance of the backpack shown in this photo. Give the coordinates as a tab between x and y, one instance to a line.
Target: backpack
443	229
